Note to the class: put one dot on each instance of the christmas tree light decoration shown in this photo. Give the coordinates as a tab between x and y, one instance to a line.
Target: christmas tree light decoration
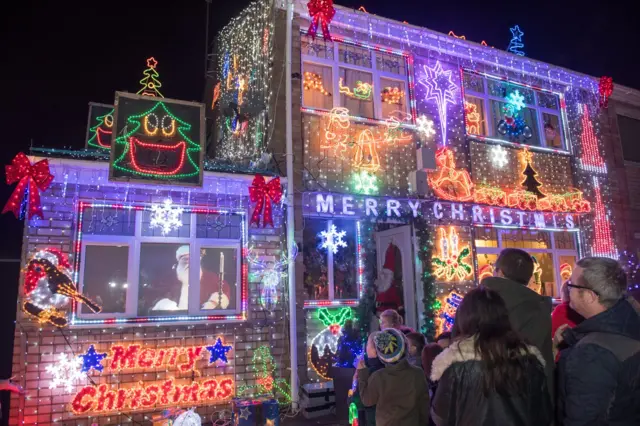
516	44
603	244
450	264
441	89
425	126
605	89
590	160
313	81
362	91
101	131
324	346
516	99
530	183
447	313
332	239
65	372
92	360
218	352
32	179
365	183
166	217
448	182
321	13
150	82
139	152
263	194
264	367
471	118
499	156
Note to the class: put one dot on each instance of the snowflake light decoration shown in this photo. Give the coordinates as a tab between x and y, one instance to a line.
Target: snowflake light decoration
516	99
333	239
499	156
441	89
425	126
65	372
166	217
365	183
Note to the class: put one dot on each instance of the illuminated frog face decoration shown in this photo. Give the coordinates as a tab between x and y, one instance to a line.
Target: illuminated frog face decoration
156	144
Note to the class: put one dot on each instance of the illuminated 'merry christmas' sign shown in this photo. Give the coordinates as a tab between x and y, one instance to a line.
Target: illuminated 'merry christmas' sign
105	398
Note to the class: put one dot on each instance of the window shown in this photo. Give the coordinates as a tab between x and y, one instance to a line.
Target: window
133	271
555	253
368	83
330	276
630	136
533	117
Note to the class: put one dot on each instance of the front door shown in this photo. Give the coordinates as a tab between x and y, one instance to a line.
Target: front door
400	241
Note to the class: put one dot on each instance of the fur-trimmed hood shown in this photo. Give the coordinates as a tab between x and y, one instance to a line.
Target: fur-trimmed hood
463	350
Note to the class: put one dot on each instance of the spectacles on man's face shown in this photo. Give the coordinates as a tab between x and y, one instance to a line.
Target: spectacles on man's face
570	285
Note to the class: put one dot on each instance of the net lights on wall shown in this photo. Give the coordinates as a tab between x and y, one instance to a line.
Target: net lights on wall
244	304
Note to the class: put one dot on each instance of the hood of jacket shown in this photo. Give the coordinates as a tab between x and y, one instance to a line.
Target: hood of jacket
516	294
622	318
464	350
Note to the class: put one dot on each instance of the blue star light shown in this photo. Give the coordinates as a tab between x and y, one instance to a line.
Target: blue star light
92	359
218	352
516	41
441	89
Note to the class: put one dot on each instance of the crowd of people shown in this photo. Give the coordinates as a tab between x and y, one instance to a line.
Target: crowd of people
510	360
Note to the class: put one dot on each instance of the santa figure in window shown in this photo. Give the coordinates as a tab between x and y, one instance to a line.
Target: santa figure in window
388	289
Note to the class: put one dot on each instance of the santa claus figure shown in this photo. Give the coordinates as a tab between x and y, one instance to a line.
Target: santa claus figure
388	289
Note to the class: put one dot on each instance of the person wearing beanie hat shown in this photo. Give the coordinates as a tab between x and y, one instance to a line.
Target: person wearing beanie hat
399	391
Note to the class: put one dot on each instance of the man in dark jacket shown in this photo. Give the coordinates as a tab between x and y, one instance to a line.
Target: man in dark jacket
529	313
599	373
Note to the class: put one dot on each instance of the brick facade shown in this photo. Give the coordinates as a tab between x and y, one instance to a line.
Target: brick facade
36	345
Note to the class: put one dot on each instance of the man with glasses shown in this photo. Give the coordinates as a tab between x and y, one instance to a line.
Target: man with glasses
599	372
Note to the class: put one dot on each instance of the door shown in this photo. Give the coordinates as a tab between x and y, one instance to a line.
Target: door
400	241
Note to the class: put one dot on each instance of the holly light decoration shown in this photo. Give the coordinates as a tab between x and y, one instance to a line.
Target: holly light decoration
321	13
324	345
31	178
450	265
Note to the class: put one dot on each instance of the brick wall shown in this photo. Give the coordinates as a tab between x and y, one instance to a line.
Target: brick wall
36	345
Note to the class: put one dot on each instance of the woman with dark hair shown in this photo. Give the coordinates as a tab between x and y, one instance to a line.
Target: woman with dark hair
489	376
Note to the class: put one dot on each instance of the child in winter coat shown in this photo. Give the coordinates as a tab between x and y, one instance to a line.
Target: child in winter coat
399	390
416	344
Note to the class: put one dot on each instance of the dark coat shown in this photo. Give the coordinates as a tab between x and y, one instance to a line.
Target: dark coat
399	392
460	400
373	365
599	372
530	316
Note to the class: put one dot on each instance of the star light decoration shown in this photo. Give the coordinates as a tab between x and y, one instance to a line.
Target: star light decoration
244	413
65	372
92	359
499	156
333	239
166	217
365	183
441	89
425	126
516	99
218	352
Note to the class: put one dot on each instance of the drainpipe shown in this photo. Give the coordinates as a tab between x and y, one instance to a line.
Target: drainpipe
293	336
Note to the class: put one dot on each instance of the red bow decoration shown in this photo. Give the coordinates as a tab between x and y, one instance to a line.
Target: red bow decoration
606	89
32	178
263	194
321	12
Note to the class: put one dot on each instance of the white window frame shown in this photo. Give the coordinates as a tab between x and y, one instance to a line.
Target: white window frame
133	268
335	66
331	265
486	98
553	251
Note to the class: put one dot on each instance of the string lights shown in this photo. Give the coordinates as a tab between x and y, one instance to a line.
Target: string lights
332	239
516	44
313	81
439	88
166	217
450	264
